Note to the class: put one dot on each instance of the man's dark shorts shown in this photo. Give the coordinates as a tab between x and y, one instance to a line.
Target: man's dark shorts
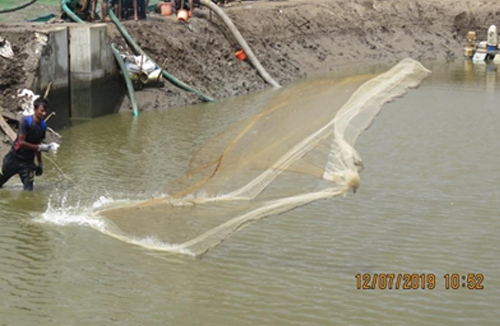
13	165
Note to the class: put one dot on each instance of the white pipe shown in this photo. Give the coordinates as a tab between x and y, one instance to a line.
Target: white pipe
251	56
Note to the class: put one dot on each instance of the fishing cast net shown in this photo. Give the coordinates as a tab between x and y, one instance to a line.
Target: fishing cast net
298	149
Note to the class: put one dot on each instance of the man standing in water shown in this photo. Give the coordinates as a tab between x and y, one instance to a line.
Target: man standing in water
21	157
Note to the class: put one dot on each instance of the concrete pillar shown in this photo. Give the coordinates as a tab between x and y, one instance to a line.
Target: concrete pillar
94	82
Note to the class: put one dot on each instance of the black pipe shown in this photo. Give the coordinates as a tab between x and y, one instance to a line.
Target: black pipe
4	11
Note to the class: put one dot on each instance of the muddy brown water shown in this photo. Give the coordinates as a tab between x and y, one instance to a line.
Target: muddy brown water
429	204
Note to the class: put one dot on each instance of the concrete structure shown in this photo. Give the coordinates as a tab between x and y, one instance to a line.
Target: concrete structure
77	59
95	86
53	66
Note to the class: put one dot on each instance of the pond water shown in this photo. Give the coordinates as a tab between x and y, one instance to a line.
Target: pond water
429	203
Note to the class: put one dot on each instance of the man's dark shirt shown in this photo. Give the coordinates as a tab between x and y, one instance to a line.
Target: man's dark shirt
34	135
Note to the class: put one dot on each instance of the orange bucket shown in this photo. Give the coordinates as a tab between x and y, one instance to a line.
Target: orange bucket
182	15
241	55
166	9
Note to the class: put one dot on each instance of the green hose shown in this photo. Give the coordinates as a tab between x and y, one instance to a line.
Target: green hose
138	49
69	12
4	11
128	81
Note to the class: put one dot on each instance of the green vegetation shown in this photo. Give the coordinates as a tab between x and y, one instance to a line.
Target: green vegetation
13	3
40	8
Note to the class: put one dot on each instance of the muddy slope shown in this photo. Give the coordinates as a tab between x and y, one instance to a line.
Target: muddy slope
296	38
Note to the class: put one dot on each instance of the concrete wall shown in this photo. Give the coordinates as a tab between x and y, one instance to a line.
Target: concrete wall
95	85
77	59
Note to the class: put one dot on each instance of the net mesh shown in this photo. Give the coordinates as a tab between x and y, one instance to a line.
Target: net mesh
298	149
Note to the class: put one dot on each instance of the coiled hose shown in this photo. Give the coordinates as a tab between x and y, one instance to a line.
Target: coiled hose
27	4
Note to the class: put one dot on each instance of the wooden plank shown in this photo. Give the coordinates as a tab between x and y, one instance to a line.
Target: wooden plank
7	129
10	116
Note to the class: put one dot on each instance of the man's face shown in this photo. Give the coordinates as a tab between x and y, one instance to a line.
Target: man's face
40	112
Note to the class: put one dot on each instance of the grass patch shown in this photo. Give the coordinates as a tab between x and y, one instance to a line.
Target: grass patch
39	8
14	3
5	4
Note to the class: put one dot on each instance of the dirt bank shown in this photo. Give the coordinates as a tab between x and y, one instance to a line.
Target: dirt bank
291	38
296	38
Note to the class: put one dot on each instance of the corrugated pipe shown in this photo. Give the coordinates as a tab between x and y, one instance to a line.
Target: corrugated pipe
251	56
4	11
138	49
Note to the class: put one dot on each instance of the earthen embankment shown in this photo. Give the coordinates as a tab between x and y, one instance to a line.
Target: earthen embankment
296	38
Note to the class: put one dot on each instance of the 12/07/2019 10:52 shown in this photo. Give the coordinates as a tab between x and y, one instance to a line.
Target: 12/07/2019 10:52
415	281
